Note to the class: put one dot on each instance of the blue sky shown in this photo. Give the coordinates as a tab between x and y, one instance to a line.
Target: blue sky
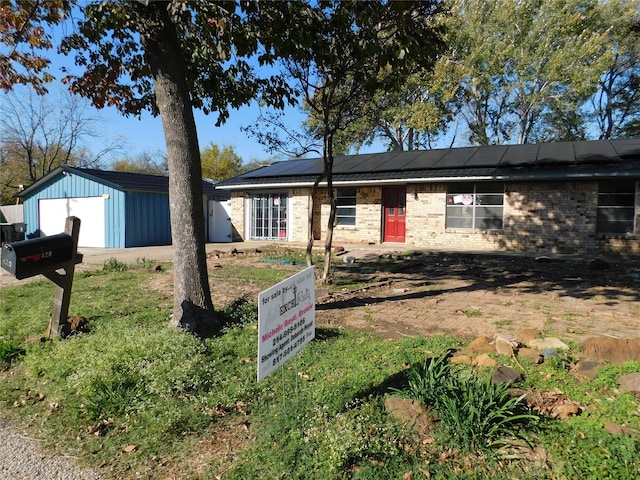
145	135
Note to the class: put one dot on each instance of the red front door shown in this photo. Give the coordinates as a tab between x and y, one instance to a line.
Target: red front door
395	201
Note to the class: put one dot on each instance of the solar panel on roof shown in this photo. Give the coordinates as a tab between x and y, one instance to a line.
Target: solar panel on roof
517	155
374	163
597	151
487	156
425	159
552	153
456	157
628	147
349	163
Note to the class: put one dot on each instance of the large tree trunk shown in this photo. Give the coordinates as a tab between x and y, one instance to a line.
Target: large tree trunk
192	305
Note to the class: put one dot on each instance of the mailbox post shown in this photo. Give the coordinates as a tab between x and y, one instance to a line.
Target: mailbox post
43	256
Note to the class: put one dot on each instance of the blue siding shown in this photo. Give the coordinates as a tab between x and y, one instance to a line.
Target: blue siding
147	221
75	186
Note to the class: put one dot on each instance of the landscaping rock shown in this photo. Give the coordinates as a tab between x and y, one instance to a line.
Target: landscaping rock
504	346
549	352
586	370
505	374
480	345
461	359
484	360
614	350
530	354
630	382
527	334
412	413
548	342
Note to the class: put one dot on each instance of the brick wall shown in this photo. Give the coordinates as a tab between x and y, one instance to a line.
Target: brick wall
549	217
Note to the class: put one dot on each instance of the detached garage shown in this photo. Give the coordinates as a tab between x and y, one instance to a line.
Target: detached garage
117	209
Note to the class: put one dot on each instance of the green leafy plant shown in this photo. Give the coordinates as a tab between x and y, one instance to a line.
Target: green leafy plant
476	413
429	382
114	265
9	350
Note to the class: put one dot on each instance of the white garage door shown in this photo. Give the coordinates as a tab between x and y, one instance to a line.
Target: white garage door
52	214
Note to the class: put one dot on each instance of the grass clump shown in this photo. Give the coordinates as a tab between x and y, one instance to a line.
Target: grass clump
113	265
9	351
476	413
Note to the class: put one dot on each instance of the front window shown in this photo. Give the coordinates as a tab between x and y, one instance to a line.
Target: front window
346	207
616	207
475	206
268	217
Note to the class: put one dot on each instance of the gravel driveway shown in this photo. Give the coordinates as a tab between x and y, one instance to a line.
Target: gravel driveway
21	458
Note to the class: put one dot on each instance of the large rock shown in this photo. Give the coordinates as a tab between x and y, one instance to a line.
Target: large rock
586	370
504	346
412	413
527	334
484	360
630	382
613	350
505	374
548	342
530	354
480	345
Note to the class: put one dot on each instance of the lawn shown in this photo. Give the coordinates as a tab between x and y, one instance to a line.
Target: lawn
135	399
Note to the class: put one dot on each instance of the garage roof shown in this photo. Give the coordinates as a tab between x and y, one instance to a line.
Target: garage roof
549	161
124	181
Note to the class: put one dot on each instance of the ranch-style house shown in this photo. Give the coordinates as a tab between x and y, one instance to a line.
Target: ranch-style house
566	197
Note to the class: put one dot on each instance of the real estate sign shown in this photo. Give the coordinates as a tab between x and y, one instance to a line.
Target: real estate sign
286	320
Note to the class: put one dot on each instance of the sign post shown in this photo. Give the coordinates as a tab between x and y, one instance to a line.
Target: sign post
286	320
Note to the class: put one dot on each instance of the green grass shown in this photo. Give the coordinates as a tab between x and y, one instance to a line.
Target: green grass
191	408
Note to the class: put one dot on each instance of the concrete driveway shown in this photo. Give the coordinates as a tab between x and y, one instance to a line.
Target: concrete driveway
164	253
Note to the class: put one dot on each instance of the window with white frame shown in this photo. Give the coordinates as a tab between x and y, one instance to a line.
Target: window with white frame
475	206
616	207
268	216
346	207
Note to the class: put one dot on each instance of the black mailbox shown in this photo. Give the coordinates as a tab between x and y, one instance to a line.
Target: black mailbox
27	258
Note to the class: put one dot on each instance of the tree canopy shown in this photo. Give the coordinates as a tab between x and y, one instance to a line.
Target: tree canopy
518	72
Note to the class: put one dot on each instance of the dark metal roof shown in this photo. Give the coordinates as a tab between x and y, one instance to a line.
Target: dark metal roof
124	181
561	160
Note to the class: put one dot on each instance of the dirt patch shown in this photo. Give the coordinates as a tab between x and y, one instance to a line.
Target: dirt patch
464	295
469	295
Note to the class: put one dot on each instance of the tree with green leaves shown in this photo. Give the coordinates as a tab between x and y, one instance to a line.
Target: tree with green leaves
220	163
616	104
167	58
338	55
520	66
